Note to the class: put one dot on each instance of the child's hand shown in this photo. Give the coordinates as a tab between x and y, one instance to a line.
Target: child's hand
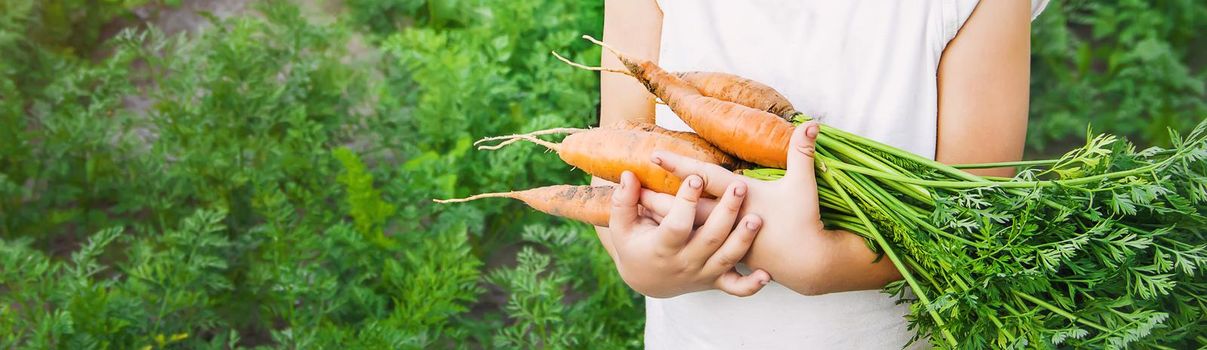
793	244
667	257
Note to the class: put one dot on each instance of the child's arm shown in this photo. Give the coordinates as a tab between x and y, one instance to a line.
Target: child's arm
984	78
983	83
633	27
636	28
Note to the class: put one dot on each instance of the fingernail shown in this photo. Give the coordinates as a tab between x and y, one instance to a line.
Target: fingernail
694	181
656	160
739	190
812	130
764	282
752	224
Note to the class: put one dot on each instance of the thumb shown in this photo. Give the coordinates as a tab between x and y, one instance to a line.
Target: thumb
735	284
624	205
801	151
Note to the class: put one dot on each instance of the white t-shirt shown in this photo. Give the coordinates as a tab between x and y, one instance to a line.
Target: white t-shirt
864	66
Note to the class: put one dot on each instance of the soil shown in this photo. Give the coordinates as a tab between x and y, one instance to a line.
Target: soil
191	15
188	16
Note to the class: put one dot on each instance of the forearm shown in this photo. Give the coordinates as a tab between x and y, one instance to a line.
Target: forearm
634	27
827	261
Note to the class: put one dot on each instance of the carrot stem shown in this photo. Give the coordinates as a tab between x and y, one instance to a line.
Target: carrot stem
831	177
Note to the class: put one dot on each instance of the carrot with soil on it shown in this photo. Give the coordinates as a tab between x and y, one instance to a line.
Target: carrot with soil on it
589	204
682	135
625	124
691	137
724	86
744	91
751	134
607	152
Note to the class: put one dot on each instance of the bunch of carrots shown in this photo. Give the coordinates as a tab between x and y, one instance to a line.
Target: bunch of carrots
1103	247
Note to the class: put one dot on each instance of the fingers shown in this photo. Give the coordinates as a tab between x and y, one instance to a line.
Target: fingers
657	205
679	221
647	214
716	178
624	206
735	246
801	151
716	228
734	283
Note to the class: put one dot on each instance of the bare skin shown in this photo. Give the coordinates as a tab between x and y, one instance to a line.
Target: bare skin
983	92
665	257
672	256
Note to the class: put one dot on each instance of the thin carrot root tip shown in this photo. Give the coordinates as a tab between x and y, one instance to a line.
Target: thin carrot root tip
475	197
556	131
602	44
507	140
499	145
510	139
493	138
513	138
590	68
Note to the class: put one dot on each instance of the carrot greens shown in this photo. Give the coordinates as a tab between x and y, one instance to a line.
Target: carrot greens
1103	247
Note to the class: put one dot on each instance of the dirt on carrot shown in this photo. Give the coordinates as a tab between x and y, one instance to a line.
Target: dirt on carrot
750	134
608	152
724	86
740	90
589	204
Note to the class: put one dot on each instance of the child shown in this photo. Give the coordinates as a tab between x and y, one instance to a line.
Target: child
896	72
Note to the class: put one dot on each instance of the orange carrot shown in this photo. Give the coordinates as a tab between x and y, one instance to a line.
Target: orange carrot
740	90
754	135
682	135
607	152
723	86
588	204
733	164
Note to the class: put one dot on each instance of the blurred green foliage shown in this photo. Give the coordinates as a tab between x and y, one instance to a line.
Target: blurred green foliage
266	182
1127	67
263	184
74	27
